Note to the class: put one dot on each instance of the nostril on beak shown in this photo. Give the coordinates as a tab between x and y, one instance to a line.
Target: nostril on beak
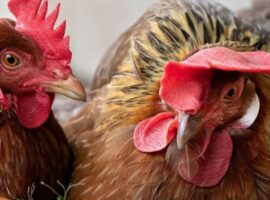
59	75
191	112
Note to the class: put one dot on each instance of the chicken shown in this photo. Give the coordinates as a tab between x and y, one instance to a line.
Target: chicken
178	110
34	64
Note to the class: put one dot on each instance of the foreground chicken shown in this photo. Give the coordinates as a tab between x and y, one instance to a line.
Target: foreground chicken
34	64
179	110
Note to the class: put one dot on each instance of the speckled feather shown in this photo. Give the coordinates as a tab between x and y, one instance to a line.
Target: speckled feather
125	92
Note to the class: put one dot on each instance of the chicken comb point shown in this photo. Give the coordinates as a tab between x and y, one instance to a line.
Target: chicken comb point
43	10
34	21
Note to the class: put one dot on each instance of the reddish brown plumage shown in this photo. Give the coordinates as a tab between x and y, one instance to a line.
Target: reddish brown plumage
108	165
33	147
28	156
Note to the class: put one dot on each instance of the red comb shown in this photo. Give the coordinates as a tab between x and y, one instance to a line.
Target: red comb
32	21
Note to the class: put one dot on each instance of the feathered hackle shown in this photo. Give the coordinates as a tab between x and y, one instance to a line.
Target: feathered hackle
32	21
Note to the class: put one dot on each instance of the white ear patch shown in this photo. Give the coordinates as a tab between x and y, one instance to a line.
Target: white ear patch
252	113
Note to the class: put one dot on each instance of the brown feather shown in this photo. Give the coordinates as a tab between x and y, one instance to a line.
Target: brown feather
29	156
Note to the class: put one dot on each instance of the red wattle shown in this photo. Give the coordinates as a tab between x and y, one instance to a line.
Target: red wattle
208	162
33	109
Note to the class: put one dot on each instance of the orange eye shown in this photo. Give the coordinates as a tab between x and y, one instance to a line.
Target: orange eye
10	60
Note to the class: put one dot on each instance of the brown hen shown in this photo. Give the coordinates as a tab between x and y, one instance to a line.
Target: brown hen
122	148
34	64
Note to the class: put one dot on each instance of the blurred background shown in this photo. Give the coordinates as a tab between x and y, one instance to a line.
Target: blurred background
94	24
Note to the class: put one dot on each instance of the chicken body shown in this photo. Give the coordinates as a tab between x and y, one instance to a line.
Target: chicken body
126	92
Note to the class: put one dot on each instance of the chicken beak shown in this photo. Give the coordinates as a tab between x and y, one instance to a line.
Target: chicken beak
185	132
71	87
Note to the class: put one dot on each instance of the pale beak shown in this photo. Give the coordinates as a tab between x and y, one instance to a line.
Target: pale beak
184	134
71	87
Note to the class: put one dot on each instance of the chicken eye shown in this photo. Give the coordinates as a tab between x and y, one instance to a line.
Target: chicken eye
230	93
10	60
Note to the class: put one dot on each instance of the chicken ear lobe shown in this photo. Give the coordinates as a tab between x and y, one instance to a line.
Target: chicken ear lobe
34	109
251	114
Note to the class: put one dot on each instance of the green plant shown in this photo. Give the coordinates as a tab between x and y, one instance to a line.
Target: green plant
65	190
